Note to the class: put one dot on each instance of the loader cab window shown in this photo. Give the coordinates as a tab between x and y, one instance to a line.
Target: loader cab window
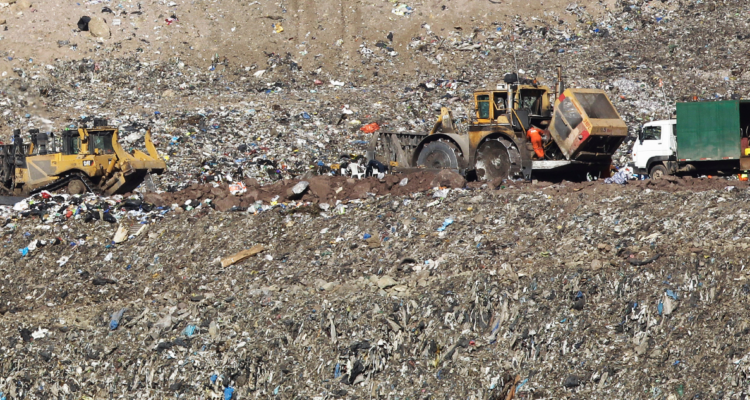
531	100
483	106
499	98
102	141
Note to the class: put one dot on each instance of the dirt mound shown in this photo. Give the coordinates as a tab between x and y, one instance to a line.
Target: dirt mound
329	189
322	189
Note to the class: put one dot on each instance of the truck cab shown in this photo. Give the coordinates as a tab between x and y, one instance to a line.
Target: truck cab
656	144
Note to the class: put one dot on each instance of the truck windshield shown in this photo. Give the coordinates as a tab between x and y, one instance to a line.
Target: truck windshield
651	133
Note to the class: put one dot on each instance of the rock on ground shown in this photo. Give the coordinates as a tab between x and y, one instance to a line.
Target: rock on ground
98	27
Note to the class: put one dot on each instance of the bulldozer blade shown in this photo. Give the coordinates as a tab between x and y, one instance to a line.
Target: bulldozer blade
150	146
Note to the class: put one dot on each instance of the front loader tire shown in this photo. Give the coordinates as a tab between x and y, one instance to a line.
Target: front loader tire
498	158
440	155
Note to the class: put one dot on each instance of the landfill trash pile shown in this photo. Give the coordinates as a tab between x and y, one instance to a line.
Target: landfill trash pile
266	261
548	290
59	208
297	105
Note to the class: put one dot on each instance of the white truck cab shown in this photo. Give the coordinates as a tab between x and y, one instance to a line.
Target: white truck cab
656	144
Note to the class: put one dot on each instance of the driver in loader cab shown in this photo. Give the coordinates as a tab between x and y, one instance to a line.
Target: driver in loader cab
535	137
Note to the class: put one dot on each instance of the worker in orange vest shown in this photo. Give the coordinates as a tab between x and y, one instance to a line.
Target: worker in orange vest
535	137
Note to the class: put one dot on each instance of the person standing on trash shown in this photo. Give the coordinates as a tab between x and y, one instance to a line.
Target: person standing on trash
535	137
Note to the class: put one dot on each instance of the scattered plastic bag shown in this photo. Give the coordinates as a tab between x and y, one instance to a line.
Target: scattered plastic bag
370	128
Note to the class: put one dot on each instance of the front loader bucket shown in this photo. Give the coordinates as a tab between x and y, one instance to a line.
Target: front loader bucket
586	126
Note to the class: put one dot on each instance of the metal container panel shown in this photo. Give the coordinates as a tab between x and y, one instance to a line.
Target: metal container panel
708	130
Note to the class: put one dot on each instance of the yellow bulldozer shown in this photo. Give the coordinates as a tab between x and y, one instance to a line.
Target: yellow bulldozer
580	134
79	160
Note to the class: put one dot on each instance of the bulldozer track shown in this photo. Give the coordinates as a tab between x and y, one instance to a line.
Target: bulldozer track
60	183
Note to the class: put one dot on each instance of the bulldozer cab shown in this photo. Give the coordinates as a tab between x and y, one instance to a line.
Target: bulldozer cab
71	142
100	141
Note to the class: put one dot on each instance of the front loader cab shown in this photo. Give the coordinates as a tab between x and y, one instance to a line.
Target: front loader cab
523	104
532	100
491	106
532	105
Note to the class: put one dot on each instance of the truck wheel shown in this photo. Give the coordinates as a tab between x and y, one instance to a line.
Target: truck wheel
658	172
76	187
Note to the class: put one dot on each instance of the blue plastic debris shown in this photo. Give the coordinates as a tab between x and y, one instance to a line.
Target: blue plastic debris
228	393
213	378
671	294
446	223
189	330
367	236
337	372
660	307
115	321
523	382
305	115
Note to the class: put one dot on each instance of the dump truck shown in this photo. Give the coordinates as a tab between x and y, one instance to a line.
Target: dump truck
706	138
79	160
581	132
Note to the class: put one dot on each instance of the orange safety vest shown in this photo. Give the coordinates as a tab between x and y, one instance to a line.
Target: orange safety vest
535	136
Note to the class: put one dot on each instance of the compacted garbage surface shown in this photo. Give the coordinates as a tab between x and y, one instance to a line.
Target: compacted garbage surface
567	290
264	263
